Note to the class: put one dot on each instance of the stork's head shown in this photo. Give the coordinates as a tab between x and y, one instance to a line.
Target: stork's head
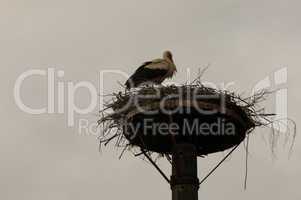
167	55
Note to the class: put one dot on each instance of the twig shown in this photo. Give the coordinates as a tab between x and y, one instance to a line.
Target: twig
247	156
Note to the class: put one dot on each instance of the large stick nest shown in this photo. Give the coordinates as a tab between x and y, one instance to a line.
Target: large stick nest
123	106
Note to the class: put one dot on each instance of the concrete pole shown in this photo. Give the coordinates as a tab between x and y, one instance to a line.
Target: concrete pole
184	181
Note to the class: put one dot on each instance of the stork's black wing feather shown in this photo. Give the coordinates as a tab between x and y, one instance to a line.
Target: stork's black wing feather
143	74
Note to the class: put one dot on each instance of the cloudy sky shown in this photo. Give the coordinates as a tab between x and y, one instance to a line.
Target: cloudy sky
42	157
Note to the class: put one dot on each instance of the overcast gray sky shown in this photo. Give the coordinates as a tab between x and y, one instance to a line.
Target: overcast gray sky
245	42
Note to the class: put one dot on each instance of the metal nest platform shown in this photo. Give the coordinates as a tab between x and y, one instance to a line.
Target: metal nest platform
156	118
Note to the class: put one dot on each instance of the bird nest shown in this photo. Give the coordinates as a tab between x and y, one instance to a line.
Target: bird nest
156	118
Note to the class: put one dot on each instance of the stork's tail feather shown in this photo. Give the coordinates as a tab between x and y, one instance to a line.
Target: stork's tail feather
130	83
133	81
127	84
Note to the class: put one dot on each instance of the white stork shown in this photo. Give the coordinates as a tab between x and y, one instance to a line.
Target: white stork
155	71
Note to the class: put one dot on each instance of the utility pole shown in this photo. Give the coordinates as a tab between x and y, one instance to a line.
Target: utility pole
184	181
